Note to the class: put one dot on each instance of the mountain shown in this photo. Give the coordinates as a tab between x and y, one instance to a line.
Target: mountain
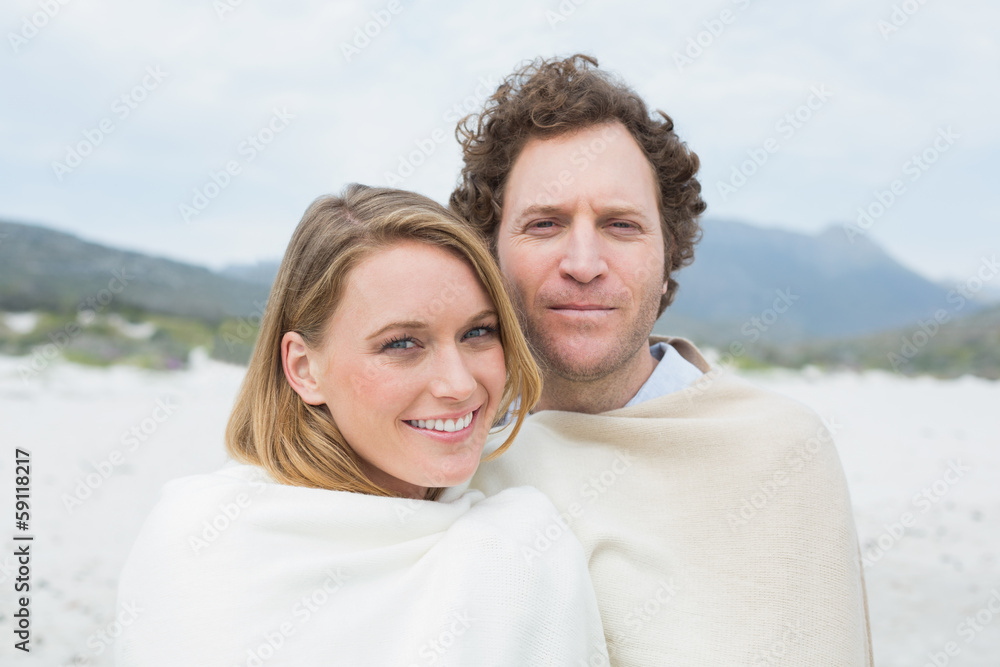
959	343
829	287
45	269
261	273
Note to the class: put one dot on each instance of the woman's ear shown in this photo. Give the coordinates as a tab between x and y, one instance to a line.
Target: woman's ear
301	369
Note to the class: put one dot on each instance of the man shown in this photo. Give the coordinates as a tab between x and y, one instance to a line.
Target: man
715	516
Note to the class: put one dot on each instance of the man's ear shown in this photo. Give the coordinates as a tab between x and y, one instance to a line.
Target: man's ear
300	368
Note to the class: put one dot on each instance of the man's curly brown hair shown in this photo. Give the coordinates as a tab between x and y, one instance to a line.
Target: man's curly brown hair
550	97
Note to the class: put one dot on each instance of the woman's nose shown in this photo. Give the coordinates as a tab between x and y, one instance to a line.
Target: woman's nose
453	379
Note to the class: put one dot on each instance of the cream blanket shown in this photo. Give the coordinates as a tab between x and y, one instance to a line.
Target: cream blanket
716	521
234	569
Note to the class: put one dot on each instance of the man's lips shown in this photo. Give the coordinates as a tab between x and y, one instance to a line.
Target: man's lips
580	306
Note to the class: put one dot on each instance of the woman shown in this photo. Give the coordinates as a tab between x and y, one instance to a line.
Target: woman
387	351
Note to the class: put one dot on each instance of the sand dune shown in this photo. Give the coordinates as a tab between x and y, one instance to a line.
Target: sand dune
103	442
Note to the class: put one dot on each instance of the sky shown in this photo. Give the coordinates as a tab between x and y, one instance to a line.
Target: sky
201	131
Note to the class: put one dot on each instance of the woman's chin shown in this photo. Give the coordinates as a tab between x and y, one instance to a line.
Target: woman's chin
457	472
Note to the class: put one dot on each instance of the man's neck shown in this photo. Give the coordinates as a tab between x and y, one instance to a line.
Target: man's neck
610	392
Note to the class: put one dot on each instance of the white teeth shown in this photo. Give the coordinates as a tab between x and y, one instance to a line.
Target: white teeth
446	425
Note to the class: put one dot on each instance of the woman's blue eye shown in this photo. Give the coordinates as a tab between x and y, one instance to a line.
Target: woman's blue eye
479	332
399	344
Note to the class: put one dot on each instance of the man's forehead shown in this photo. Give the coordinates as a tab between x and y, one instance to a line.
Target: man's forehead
606	155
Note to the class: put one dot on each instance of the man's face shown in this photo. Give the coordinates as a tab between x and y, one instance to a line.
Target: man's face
581	244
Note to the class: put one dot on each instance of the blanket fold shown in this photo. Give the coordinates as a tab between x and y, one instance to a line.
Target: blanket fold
234	569
716	521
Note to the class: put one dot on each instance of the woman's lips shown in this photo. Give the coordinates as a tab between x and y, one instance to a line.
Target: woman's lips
448	436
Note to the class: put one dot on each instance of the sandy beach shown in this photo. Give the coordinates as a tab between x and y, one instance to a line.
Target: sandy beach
922	458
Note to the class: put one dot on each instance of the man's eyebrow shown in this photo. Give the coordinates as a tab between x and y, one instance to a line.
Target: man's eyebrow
538	209
622	210
612	211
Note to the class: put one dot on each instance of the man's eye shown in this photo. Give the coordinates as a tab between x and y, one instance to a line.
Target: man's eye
623	225
543	224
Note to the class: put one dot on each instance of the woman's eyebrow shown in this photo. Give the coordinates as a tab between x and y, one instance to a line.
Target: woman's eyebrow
408	324
489	312
420	324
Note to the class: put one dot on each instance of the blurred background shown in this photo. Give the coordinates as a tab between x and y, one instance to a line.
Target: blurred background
157	156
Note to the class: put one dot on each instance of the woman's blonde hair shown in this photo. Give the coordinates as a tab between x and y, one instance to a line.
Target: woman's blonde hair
298	443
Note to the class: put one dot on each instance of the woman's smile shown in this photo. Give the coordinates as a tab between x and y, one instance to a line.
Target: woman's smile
445	424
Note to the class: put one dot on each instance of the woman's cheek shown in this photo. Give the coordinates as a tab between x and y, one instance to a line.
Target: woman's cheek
496	376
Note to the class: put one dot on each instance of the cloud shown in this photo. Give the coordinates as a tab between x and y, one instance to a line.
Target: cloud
360	114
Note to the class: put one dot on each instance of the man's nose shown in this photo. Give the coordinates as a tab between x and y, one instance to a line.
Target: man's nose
452	378
583	258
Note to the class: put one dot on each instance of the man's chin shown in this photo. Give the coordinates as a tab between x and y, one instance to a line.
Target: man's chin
582	363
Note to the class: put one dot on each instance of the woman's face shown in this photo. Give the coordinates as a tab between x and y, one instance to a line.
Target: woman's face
411	368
